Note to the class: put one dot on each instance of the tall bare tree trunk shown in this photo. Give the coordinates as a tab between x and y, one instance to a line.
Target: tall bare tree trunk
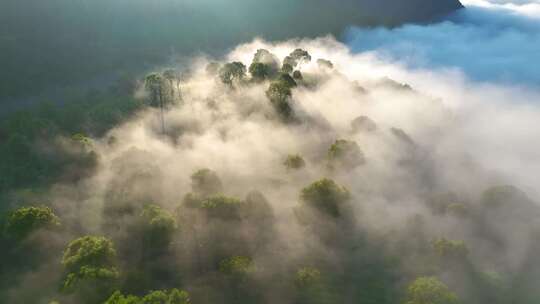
162	111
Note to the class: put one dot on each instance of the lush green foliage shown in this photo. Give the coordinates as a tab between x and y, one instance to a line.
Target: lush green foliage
267	58
89	268
231	72
325	196
89	275
237	265
294	162
345	154
31	155
429	290
155	83
260	71
287	80
158	226
450	249
223	207
280	94
287	68
301	55
94	251
118	298
297	57
173	296
23	221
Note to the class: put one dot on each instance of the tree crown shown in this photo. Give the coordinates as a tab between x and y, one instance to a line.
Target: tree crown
25	220
325	196
429	290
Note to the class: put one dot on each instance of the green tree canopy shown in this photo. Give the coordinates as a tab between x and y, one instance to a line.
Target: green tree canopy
174	296
230	72
279	94
287	80
223	207
301	55
297	57
345	154
429	290
153	81
89	268
279	91
178	297
158	225
325	196
450	248
173	77
264	56
118	298
93	251
237	265
294	162
269	60
82	139
289	62
99	278
206	182
287	68
312	288
25	220
260	71
155	297
154	84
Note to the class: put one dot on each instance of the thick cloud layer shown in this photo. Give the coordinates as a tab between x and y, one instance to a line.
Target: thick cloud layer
524	7
482	58
448	134
487	41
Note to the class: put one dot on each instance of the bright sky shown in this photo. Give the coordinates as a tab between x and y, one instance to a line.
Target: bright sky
530	8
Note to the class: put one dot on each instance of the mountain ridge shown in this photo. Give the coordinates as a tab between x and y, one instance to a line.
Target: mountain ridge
61	42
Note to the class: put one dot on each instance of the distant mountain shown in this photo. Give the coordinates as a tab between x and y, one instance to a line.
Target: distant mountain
57	43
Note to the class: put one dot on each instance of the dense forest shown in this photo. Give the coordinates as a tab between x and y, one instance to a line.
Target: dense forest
271	175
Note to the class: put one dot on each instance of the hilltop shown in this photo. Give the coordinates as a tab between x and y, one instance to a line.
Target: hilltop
59	43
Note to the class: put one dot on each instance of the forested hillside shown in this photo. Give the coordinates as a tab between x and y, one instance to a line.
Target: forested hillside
49	45
277	174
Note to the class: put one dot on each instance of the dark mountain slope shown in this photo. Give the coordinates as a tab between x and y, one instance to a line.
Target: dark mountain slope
56	43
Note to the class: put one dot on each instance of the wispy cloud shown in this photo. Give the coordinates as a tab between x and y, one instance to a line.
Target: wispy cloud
486	43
